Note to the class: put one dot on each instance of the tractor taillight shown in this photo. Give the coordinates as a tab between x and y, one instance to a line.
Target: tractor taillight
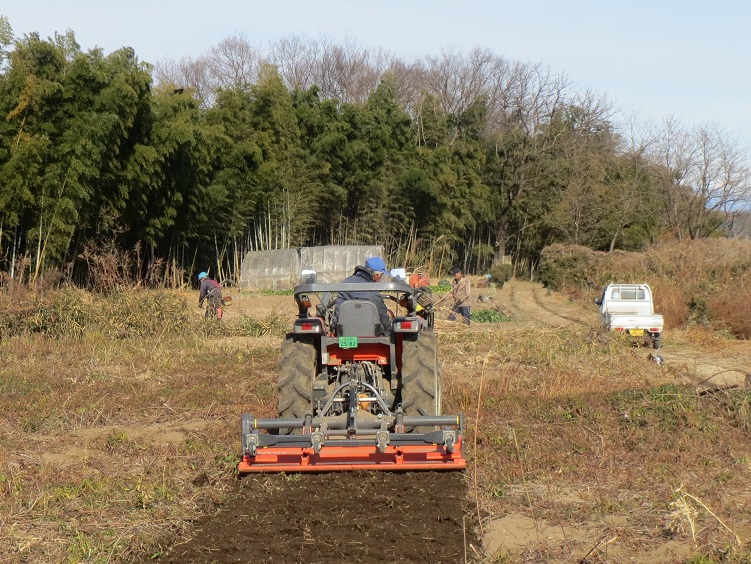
308	326
406	325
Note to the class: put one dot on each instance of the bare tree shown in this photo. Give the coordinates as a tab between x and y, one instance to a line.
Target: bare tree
586	147
409	87
525	141
516	94
532	96
457	81
234	62
349	73
720	181
705	178
672	152
187	73
631	198
294	58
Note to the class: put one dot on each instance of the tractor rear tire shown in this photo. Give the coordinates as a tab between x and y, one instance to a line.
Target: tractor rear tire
421	377
297	370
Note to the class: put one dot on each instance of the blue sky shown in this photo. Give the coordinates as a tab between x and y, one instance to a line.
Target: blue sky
684	59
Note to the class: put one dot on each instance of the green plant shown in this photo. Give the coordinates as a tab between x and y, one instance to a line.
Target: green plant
698	311
442	288
488	316
277	292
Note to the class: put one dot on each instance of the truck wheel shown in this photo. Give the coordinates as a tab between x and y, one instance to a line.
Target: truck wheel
297	370
657	343
421	378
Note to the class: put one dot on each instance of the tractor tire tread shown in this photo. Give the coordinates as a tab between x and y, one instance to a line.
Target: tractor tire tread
297	368
420	383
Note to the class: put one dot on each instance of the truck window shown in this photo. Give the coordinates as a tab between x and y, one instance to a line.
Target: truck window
629	294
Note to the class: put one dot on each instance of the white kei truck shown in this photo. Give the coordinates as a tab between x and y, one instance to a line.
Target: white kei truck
628	309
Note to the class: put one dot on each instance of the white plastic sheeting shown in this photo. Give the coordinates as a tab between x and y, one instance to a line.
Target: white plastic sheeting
282	269
333	263
270	270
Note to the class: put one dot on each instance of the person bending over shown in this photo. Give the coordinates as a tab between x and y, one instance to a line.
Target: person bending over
211	292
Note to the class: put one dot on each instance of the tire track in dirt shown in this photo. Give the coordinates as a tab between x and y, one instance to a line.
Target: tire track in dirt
574	320
705	371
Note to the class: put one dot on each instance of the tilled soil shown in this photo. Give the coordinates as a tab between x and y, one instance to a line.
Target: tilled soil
354	517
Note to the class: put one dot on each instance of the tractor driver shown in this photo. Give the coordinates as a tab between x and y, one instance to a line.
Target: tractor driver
373	271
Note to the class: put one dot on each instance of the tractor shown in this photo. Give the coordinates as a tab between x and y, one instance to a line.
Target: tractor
353	394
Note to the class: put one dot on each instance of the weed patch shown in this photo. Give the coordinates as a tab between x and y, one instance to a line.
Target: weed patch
488	316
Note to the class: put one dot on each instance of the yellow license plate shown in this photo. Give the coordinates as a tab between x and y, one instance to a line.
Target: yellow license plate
636	332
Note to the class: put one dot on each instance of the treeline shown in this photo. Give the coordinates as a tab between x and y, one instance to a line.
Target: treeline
111	167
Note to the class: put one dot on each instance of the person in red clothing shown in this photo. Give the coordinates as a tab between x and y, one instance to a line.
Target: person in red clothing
211	292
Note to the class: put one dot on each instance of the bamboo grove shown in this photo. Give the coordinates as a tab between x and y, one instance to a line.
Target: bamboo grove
455	158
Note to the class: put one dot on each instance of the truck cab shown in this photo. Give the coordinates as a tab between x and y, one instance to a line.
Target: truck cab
629	309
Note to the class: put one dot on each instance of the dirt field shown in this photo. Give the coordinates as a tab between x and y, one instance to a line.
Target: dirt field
579	449
360	517
426	517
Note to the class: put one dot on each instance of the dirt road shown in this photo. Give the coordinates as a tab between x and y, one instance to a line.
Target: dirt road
707	362
532	305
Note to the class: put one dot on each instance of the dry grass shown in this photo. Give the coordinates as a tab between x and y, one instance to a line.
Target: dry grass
119	420
705	282
109	447
574	428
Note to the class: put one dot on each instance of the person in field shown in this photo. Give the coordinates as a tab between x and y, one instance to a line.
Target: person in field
373	271
461	294
211	292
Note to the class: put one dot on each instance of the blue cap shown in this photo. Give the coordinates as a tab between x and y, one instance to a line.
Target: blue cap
376	264
201	276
